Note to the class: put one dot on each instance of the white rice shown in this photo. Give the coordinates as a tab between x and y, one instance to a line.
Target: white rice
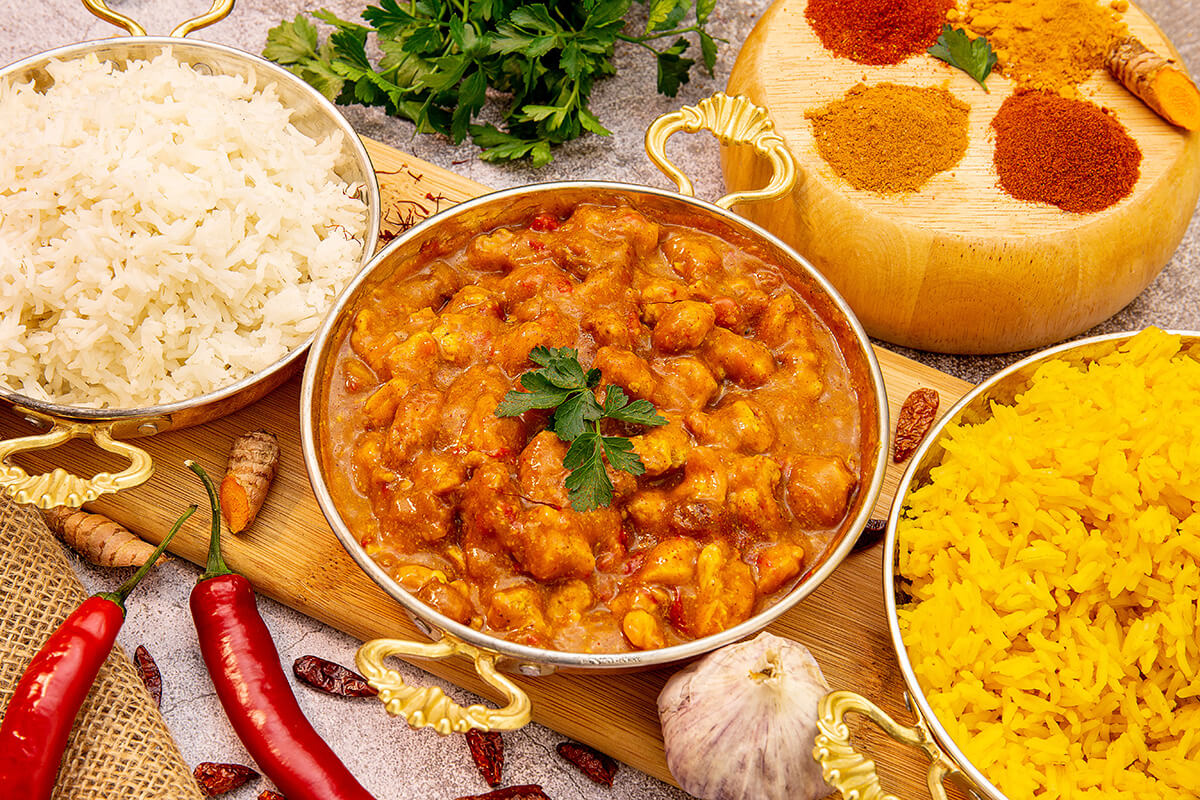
163	233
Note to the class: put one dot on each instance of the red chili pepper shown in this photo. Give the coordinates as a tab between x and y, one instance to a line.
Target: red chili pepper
252	686
42	710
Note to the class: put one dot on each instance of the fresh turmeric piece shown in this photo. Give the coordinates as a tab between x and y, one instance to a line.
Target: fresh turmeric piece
253	460
97	538
1159	83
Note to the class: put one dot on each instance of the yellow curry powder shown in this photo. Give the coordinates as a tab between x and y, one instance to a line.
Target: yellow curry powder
1050	45
890	138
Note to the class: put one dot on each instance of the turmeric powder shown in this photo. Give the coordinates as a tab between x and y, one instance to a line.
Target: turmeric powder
1047	45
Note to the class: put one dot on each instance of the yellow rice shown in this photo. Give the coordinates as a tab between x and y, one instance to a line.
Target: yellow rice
1055	566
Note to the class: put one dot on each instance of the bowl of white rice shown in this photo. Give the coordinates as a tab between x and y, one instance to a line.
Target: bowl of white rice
1042	580
176	217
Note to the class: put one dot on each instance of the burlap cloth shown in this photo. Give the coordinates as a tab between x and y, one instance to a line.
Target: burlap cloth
120	746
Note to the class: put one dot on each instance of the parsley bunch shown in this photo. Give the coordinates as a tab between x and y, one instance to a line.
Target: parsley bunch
440	57
561	384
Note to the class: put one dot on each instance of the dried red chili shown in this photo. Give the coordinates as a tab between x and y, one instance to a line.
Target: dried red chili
592	763
267	794
331	678
916	416
872	532
215	778
487	750
527	792
150	674
1068	153
877	31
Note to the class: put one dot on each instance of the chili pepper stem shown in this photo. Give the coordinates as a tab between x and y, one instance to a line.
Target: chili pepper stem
216	565
119	594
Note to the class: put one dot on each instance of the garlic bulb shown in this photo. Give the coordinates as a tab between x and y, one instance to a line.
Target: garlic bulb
739	724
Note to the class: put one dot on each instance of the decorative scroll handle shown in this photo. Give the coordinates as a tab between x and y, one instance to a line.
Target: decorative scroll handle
733	120
61	488
429	707
852	773
217	12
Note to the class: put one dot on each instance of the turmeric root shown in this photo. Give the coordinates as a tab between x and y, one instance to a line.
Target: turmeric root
252	463
97	538
1159	83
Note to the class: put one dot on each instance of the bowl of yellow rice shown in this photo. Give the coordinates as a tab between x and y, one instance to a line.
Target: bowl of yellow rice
1042	576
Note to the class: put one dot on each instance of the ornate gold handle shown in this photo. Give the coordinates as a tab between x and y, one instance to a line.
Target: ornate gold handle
852	773
733	120
61	488
429	707
217	12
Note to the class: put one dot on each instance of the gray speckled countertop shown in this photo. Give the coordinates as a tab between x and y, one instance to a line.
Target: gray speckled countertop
391	760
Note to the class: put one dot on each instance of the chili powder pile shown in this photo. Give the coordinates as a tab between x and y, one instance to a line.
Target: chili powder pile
877	31
1069	153
891	138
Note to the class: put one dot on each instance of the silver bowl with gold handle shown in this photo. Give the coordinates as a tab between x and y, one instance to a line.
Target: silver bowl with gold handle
735	122
55	424
843	764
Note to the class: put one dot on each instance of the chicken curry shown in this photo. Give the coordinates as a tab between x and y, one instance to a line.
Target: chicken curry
744	486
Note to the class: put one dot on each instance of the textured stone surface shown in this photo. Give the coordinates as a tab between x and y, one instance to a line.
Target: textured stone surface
393	761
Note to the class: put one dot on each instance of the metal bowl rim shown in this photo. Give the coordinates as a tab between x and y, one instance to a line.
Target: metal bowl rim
370	235
915	692
524	654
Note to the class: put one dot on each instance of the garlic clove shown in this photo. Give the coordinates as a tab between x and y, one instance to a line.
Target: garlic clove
740	723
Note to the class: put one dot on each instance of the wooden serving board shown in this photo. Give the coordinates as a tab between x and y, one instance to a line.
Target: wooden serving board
959	266
291	555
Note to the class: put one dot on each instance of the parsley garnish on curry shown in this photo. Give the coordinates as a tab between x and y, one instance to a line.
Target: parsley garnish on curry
683	481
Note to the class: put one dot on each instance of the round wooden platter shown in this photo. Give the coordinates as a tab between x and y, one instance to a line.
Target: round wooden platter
959	266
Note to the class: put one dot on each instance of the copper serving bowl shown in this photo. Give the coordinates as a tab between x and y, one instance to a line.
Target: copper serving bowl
844	767
735	121
313	115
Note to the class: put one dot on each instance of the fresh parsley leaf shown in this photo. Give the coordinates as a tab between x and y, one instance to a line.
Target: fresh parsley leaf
973	56
588	484
575	415
666	14
559	382
708	51
673	68
424	40
540	393
619	452
389	18
639	412
542	355
292	43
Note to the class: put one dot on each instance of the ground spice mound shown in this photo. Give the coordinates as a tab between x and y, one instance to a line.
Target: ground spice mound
891	138
877	31
1049	45
1068	153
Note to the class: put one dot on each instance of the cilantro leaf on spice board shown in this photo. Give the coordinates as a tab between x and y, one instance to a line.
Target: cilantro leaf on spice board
973	56
439	59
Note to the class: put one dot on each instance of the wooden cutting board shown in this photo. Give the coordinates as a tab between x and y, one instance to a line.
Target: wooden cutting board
959	266
291	555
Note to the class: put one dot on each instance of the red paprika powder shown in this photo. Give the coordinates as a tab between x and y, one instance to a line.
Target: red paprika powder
1069	153
877	31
